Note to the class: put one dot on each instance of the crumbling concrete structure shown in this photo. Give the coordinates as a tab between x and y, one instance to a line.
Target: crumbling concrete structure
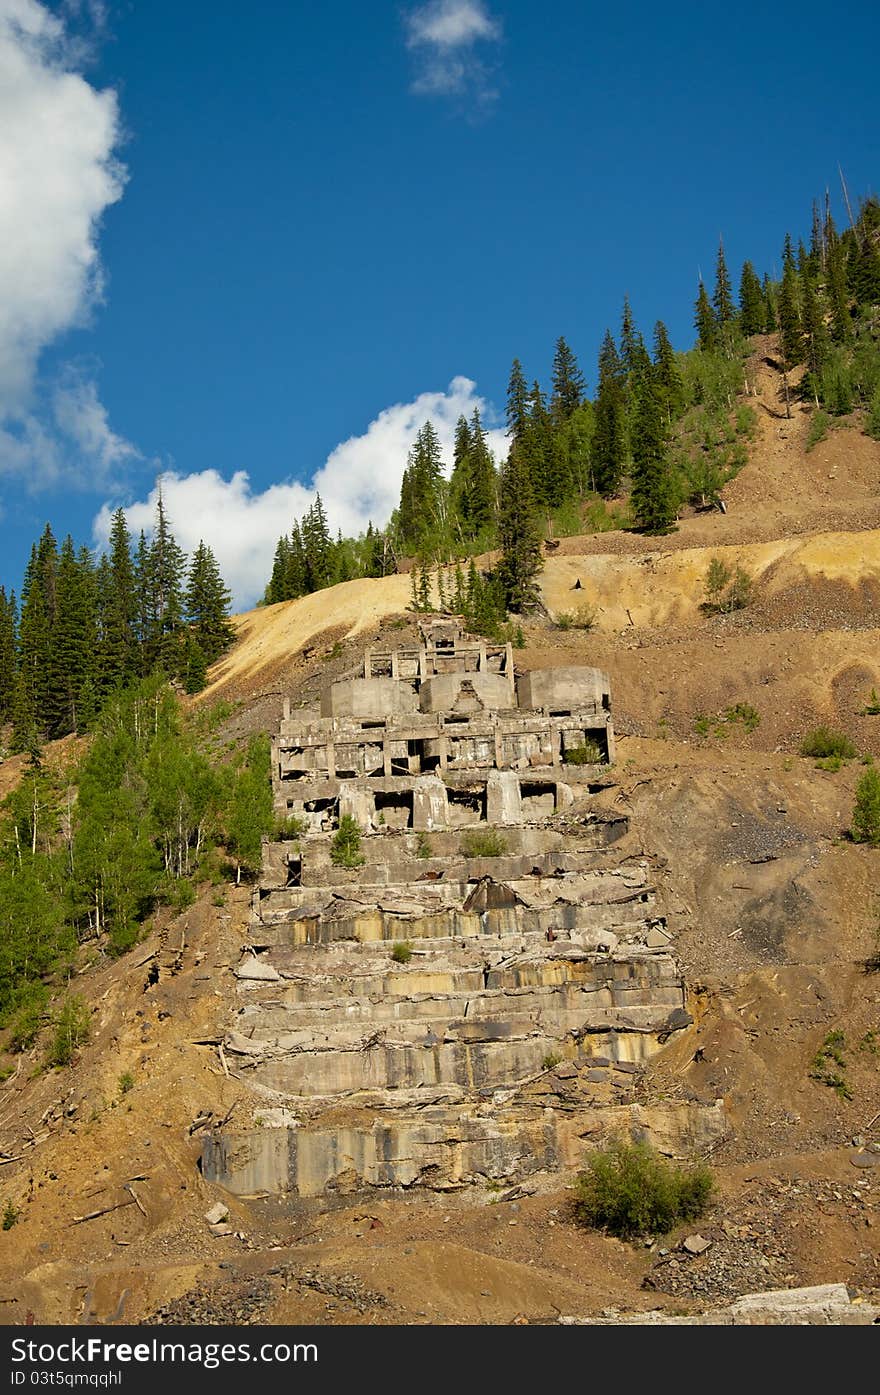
481	991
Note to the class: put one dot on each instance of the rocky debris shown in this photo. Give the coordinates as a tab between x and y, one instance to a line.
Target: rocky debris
820	1305
220	1306
346	1287
760	1242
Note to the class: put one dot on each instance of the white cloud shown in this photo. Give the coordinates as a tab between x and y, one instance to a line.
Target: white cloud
443	35
58	174
359	482
82	418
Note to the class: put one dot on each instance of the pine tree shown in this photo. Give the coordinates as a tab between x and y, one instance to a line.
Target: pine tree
705	322
633	353
769	305
207	603
815	335
73	645
517	403
652	497
667	379
316	547
8	640
277	588
568	383
790	330
609	445
722	299
422	492
166	565
752	312
838	296
125	603
518	536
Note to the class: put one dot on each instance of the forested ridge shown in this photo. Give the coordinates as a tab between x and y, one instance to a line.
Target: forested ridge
662	430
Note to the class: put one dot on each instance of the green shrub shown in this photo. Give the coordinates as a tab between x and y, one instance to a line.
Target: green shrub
423	846
345	848
824	741
629	1190
866	813
484	843
288	828
584	618
872	706
829	1056
71	1031
550	1060
819	426
402	952
11	1214
587	754
125	1082
726	588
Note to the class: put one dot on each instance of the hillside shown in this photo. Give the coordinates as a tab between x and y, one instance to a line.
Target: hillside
774	916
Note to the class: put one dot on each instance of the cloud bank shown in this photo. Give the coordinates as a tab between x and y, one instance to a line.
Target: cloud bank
448	40
359	483
58	175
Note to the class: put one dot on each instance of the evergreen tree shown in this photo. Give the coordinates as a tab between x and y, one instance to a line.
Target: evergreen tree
769	305
652	497
73	646
518	536
125	603
8	640
722	299
316	547
791	339
633	353
609	446
568	383
815	335
705	322
752	310
476	497
422	491
277	588
166	565
517	403
838	296
207	603
667	379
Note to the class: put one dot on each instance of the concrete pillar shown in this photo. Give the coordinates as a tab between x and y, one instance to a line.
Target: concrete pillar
395	664
481	659
503	798
423	663
386	757
430	806
368	663
508	669
285	710
331	760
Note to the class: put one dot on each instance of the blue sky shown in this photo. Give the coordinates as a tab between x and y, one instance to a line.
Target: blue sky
253	246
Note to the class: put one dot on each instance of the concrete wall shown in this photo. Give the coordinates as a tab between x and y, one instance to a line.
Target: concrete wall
466	692
368	698
563	689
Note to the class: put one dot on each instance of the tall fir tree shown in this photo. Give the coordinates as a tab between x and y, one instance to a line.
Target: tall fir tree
517	403
791	339
166	569
8	640
125	609
633	354
667	378
207	601
704	321
518	536
722	298
752	312
652	495
568	383
609	445
73	647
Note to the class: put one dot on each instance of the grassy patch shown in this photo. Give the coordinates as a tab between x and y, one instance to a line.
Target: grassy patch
829	1063
402	952
484	843
825	742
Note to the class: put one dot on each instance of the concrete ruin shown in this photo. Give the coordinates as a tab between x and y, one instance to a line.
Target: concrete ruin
476	997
